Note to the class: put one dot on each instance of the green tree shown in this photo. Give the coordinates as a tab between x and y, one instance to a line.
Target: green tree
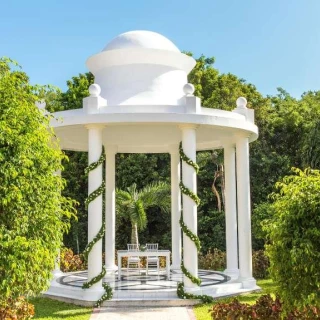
294	238
132	204
76	180
33	213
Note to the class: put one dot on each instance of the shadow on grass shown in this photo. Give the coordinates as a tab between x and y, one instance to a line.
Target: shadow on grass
52	310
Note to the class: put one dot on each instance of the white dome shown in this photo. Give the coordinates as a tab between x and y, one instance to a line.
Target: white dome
141	39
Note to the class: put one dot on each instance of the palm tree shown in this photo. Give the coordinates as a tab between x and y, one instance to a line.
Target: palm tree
132	204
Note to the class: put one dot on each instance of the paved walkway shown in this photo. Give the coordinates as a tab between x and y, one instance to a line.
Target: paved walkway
134	313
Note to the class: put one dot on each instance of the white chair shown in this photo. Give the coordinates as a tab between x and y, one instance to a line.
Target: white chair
133	260
152	260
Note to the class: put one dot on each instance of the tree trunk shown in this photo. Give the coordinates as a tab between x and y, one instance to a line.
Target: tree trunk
215	191
223	187
134	234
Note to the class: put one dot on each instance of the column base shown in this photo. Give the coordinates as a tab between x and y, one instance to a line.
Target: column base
92	294
176	268
248	283
193	290
111	269
57	273
232	273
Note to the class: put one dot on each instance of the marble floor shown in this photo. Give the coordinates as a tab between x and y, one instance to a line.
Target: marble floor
140	286
134	280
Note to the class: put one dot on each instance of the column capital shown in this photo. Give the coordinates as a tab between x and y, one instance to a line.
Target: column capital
111	149
228	144
95	126
188	126
174	148
242	135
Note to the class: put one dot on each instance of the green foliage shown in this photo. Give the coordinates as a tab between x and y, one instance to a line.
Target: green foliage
76	188
141	169
260	214
311	148
260	264
33	214
131	204
78	88
294	238
211	230
215	260
70	261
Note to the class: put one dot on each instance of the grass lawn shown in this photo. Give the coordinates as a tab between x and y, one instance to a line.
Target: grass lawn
47	309
267	286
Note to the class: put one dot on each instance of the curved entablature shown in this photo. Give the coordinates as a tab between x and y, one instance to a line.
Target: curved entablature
151	132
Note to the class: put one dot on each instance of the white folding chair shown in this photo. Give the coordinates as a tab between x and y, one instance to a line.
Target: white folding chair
133	260
152	260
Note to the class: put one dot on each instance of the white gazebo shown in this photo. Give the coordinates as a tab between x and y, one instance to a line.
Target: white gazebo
141	103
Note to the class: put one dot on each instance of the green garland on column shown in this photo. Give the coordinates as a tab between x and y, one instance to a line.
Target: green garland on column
193	237
93	195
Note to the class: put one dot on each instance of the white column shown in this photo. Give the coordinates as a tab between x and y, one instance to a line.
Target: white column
231	211
244	212
95	206
110	208
175	208
189	178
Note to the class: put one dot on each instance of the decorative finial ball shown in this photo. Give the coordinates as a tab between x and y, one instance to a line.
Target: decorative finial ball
241	102
188	89
94	90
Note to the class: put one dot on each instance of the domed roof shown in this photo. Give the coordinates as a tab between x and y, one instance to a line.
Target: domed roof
141	39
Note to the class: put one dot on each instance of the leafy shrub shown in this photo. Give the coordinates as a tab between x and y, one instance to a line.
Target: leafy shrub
33	212
18	309
308	313
260	264
294	239
265	309
215	260
70	261
231	310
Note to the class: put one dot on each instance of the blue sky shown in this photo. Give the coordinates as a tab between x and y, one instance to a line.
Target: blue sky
270	43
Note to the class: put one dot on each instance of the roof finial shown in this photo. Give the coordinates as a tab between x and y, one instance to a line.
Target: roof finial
188	89
241	103
94	90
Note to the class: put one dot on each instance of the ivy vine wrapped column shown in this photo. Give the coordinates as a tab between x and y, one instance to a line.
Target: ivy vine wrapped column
244	212
189	179
94	205
110	213
231	210
175	207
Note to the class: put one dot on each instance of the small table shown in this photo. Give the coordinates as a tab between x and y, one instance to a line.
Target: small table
159	253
